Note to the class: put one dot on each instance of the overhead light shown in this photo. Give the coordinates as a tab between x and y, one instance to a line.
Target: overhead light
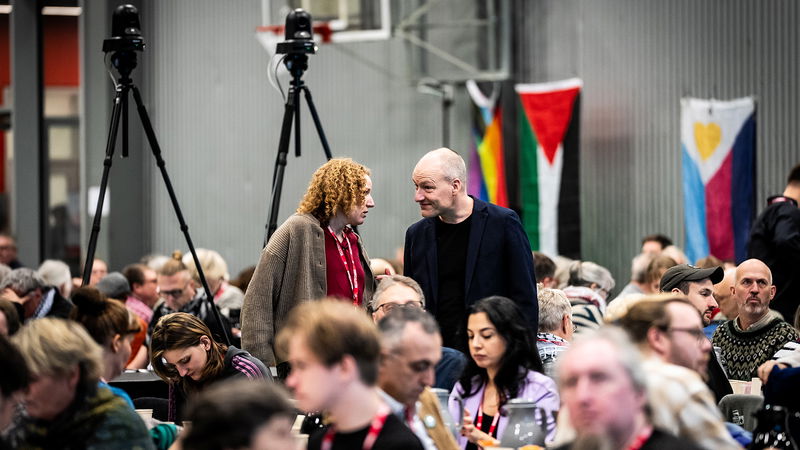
49	10
61	11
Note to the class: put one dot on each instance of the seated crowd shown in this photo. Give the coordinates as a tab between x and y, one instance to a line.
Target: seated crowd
386	360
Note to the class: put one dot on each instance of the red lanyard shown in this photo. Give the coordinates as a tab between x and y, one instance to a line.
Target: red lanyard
352	279
372	435
641	439
479	422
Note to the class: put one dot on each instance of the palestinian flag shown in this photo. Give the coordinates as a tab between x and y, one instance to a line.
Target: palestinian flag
487	176
549	166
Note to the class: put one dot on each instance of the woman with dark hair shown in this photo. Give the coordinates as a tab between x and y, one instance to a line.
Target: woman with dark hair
314	254
504	365
112	326
186	356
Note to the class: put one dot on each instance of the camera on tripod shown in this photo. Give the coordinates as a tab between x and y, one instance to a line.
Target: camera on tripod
125	31
299	34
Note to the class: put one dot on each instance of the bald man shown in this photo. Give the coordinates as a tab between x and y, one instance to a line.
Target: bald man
751	339
464	249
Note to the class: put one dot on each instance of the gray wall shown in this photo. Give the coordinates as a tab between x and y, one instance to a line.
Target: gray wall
218	119
637	59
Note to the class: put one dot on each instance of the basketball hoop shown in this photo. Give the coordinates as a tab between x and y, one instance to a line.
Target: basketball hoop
270	35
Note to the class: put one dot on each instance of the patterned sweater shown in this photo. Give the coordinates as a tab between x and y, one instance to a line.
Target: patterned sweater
744	350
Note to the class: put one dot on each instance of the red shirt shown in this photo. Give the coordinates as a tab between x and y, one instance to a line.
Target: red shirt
338	282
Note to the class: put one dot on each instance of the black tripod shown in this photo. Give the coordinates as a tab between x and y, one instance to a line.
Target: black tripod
296	63
125	61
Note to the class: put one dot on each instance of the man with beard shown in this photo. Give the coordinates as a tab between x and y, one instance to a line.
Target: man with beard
698	286
604	391
751	339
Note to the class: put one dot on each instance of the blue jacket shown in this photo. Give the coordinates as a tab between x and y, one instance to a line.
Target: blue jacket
499	259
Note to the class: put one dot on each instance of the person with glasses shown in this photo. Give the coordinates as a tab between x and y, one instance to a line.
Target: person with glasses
189	359
698	286
669	332
396	291
180	294
555	327
504	366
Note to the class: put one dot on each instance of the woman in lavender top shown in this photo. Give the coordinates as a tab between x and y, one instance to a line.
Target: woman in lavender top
504	365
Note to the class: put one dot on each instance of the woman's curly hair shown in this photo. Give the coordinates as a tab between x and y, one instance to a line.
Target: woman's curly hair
337	186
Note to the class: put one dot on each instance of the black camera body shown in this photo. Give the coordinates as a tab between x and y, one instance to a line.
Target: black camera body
299	34
125	31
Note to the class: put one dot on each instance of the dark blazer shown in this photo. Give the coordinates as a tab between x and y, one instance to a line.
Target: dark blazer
499	260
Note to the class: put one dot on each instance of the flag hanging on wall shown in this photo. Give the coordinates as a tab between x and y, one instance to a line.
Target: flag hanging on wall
549	165
487	175
718	140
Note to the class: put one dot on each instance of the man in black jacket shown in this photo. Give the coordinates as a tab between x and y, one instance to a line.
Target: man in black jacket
775	240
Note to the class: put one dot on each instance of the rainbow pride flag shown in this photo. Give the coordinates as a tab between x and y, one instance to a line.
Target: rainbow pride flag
487	176
549	166
718	140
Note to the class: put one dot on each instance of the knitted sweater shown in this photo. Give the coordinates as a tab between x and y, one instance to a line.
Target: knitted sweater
291	270
745	350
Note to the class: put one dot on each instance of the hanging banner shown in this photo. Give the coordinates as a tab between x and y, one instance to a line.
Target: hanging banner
487	174
718	140
549	166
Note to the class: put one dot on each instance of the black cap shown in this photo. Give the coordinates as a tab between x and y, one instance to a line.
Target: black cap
684	272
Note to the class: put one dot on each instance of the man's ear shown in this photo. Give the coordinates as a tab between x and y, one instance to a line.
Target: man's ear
348	368
457	185
656	339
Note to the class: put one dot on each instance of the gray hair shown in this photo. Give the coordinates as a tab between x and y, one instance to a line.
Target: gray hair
392	326
23	280
56	273
639	266
389	281
451	163
4	270
584	273
627	354
553	306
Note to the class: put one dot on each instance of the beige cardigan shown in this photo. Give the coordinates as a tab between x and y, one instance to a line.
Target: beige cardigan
291	270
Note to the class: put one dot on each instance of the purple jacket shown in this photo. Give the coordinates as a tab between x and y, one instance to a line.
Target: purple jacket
537	387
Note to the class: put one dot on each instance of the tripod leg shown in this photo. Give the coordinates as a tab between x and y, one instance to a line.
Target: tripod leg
119	100
317	123
297	123
280	163
125	126
156	149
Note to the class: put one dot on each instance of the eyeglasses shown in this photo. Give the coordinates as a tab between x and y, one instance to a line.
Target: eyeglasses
388	306
698	333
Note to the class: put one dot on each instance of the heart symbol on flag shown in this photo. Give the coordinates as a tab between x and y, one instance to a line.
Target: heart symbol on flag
707	138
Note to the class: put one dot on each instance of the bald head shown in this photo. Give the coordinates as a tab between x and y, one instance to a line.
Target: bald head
753	265
722	292
440	181
449	163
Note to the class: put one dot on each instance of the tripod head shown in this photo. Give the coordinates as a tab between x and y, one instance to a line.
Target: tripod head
126	39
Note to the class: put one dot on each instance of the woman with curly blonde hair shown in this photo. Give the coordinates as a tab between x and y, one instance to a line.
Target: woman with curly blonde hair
314	254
